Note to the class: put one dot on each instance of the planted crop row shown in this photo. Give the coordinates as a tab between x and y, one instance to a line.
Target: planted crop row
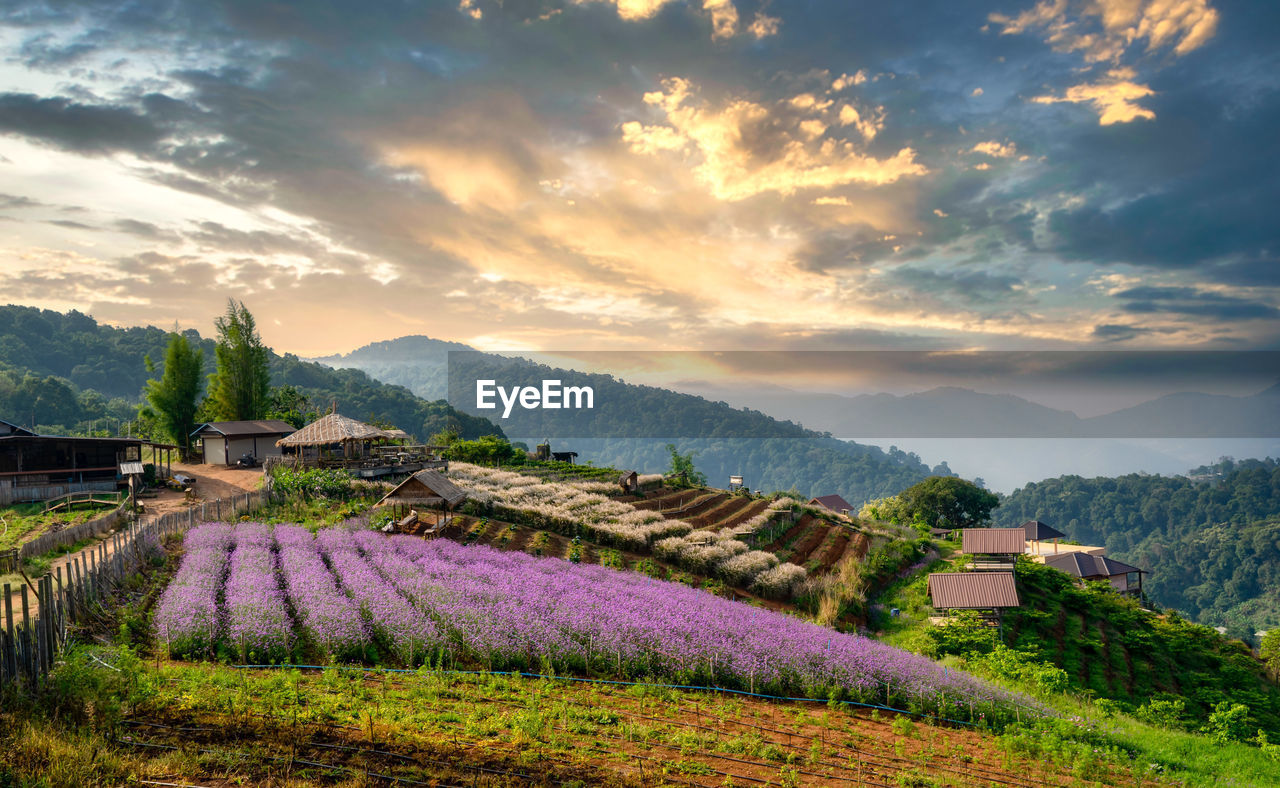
404	600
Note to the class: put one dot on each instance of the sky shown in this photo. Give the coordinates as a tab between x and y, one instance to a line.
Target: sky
650	174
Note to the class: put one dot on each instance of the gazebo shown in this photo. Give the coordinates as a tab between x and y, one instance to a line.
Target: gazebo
993	549
334	440
428	489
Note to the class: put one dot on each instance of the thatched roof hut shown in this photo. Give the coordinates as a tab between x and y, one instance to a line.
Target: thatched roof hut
334	428
426	488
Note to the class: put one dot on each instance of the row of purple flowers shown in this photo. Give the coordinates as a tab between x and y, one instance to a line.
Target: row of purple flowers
360	595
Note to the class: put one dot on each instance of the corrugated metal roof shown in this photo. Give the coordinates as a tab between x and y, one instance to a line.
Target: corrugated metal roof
972	590
1037	531
333	428
238	429
993	541
1084	565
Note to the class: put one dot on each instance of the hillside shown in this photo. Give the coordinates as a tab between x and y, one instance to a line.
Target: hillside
1105	645
63	372
632	424
418	363
1212	546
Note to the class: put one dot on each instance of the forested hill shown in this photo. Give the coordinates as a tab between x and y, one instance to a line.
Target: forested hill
1211	543
771	454
68	372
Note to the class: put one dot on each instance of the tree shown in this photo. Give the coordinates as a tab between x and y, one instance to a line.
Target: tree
682	466
948	501
1269	650
174	396
240	388
288	404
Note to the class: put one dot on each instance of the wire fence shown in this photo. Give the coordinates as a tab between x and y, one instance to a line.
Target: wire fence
34	628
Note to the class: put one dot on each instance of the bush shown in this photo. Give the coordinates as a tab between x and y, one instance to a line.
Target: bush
312	482
1164	713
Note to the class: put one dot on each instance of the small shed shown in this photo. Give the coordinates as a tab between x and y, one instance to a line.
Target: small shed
629	481
993	549
224	442
564	456
835	503
429	489
1098	567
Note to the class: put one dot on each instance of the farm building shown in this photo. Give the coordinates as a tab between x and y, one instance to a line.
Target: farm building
993	549
835	503
37	467
564	456
9	428
224	442
1098	567
986	592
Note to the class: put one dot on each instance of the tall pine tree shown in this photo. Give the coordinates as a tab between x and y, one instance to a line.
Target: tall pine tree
173	398
240	389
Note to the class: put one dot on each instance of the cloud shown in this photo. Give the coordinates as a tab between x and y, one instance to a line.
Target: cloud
724	17
1193	302
723	14
764	26
1113	98
744	148
78	127
996	150
1104	30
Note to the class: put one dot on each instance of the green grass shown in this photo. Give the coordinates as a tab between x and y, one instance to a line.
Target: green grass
21	523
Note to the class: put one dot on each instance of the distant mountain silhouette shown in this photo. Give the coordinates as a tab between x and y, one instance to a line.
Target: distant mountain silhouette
951	412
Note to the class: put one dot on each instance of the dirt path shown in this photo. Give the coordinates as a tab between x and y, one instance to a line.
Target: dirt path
212	482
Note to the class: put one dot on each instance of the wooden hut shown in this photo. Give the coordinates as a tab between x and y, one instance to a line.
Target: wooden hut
629	481
426	489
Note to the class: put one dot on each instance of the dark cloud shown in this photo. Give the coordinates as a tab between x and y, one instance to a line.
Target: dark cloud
77	127
1193	302
969	286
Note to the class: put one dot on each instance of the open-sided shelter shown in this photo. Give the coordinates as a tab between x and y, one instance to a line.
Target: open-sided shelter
993	549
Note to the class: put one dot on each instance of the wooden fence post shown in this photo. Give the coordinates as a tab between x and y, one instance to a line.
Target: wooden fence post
11	645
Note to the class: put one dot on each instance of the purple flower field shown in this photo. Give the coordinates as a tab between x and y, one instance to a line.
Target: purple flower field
256	592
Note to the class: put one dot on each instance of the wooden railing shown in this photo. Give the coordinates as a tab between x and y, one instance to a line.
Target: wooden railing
82	496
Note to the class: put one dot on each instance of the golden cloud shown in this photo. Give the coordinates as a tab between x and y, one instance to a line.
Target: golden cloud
1103	30
745	148
997	150
1113	97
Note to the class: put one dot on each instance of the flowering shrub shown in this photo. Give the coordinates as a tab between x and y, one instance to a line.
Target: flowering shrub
569	508
779	582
